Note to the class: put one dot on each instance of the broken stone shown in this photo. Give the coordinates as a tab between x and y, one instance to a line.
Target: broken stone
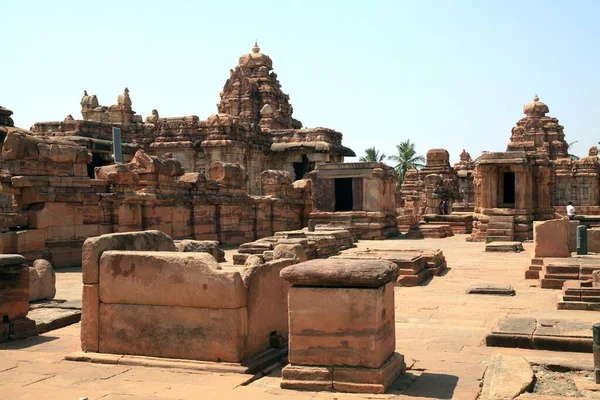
42	281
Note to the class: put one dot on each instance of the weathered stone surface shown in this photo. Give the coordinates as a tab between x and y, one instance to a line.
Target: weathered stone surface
90	317
501	290
19	146
202	246
506	377
504	247
341	273
7	260
293	251
173	332
49	319
42	281
593	238
133	241
267	304
551	238
14	289
341	326
193	279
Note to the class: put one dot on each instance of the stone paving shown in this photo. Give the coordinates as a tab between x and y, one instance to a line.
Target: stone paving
439	328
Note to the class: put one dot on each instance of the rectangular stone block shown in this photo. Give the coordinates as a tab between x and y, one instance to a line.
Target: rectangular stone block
355	326
54	214
66	255
551	238
37	168
175	332
169	279
31	240
14	292
90	307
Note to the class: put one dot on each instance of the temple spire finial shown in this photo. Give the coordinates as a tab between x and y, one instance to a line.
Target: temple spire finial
535	97
256	49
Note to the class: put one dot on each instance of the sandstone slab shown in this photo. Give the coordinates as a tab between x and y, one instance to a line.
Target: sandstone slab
173	332
506	377
169	279
341	273
551	238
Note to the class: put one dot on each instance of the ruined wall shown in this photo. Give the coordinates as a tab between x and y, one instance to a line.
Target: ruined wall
57	206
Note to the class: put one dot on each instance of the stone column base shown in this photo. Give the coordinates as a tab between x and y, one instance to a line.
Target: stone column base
344	379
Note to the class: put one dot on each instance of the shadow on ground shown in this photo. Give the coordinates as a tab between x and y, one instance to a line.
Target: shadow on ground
27	343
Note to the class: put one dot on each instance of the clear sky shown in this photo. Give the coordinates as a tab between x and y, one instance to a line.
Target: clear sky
452	74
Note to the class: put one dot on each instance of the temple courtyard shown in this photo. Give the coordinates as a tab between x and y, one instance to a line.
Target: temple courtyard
440	329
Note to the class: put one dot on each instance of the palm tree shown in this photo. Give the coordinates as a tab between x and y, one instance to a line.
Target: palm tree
406	159
372	155
572	156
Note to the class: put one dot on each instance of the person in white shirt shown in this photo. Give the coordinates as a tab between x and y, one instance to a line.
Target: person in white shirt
570	211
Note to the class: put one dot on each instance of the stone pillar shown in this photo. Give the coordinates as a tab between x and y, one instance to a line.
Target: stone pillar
341	326
596	350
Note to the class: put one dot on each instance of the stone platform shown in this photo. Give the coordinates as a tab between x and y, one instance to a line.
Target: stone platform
460	223
541	334
553	272
415	265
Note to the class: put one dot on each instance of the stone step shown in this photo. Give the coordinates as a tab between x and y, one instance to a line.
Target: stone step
490	239
501	225
560	269
501	218
499	232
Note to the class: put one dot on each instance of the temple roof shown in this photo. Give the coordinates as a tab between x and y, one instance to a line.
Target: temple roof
535	108
255	59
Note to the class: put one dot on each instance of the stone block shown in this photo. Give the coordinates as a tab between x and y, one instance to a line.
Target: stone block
31	240
551	238
294	251
42	281
341	273
90	308
341	326
14	287
267	304
65	255
573	236
175	332
593	238
202	246
133	241
368	380
54	214
169	279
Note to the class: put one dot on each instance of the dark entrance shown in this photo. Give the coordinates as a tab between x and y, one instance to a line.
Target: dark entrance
343	194
509	188
303	167
97	161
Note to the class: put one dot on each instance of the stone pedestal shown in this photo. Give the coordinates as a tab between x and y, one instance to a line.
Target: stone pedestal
14	298
341	326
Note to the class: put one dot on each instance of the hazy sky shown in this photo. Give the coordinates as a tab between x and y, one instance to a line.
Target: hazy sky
452	74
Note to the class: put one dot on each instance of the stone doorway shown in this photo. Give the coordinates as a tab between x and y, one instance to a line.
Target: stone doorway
508	190
97	161
343	194
303	167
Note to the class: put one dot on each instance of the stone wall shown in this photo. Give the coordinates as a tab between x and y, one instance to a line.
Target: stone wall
57	206
141	297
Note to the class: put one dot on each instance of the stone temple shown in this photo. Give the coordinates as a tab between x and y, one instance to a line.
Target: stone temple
253	127
506	191
307	298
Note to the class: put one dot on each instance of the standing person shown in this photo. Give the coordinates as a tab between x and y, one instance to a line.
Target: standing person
444	207
571	211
